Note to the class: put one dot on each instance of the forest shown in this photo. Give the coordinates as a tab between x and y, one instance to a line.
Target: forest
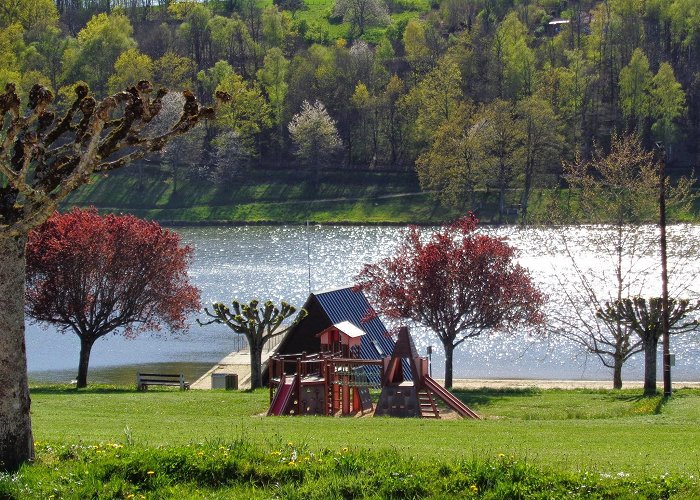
467	94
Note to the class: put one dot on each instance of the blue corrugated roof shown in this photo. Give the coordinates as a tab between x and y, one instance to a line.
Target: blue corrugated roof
351	305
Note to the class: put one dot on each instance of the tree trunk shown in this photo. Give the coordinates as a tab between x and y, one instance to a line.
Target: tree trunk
449	355
255	365
617	374
16	442
650	349
85	348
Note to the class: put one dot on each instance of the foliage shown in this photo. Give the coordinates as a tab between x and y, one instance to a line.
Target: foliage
247	113
361	14
458	283
258	324
315	136
635	84
97	48
96	275
130	67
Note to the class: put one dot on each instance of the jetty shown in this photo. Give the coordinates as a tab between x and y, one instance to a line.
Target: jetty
235	363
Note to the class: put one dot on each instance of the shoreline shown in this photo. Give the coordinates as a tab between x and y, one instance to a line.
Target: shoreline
473	383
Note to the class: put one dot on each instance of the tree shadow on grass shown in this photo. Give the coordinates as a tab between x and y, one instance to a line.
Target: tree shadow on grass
486	396
69	389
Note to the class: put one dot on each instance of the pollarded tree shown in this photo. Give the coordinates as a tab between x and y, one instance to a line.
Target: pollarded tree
258	324
315	136
97	275
458	283
43	158
643	317
618	188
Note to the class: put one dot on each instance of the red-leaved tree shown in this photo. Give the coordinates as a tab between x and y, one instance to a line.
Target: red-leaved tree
95	275
458	283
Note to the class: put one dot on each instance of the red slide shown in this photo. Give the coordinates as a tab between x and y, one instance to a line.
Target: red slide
448	398
281	398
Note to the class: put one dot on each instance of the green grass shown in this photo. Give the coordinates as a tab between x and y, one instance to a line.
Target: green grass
113	442
552	428
341	197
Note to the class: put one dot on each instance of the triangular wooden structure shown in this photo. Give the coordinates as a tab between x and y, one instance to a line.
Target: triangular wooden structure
415	398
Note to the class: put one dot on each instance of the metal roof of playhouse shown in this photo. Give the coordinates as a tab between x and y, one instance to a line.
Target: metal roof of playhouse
348	304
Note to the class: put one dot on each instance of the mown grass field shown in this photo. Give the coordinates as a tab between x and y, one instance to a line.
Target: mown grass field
544	443
281	197
322	27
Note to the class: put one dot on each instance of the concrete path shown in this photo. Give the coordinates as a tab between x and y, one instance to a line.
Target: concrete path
237	362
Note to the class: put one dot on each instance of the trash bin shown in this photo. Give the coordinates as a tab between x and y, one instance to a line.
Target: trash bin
226	381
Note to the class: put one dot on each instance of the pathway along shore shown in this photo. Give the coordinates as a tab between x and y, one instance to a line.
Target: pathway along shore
239	363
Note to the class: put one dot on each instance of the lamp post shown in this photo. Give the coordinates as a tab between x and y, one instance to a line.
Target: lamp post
664	272
429	351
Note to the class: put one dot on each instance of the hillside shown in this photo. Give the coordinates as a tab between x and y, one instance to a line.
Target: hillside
466	96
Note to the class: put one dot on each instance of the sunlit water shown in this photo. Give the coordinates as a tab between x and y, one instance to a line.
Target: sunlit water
274	262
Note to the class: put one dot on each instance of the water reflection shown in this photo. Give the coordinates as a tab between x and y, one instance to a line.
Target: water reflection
273	262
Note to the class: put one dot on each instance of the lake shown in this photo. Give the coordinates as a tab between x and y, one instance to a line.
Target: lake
285	262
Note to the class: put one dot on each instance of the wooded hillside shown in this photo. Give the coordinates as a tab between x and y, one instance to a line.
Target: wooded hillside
472	94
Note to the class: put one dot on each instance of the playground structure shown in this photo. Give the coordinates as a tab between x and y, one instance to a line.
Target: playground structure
335	382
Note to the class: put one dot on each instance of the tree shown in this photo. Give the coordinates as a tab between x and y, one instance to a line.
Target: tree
96	275
99	45
258	324
130	66
44	157
643	317
451	165
315	136
273	78
361	14
439	93
667	104
172	70
34	15
501	139
246	115
514	59
619	188
542	142
458	283
635	84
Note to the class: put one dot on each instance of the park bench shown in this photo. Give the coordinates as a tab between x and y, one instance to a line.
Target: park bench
143	380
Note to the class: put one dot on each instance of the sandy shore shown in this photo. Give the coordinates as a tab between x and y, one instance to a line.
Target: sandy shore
555	384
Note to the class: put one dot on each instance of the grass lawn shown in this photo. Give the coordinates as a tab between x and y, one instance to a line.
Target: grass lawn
118	443
569	430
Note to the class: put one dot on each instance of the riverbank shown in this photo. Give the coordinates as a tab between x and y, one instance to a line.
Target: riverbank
279	197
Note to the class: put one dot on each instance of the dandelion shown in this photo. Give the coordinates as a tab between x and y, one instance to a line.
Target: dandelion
290	443
150	472
474	488
201	453
345	450
501	455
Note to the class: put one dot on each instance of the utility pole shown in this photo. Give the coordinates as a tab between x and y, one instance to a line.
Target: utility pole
664	272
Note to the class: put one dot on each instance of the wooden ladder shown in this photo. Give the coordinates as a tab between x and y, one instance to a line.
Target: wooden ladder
428	408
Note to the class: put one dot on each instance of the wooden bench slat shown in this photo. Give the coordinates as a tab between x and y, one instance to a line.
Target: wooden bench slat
143	380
